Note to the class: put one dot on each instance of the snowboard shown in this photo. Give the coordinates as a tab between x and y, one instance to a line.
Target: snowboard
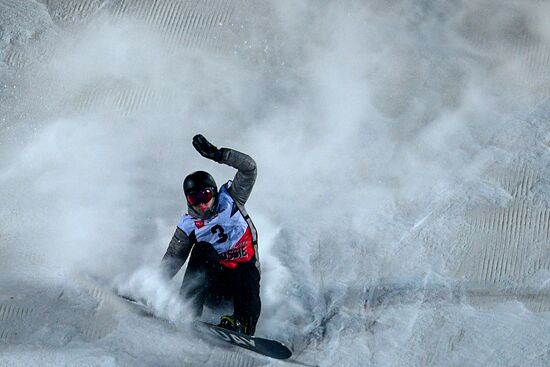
267	347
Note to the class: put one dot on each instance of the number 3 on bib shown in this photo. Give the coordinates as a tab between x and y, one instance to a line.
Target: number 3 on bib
221	233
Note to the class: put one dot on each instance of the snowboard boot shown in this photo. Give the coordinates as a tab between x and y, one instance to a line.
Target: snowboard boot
234	324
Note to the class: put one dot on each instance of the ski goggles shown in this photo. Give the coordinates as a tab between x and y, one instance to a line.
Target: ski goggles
200	197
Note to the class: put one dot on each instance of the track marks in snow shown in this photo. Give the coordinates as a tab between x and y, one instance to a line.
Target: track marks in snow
523	47
194	24
99	326
512	240
102	295
10	311
67	12
189	24
125	100
509	243
233	359
16	57
7	336
516	242
102	323
12	315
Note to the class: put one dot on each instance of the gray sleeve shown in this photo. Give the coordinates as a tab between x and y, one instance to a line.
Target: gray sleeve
246	174
176	254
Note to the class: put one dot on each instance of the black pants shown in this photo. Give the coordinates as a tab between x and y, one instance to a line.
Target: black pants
207	282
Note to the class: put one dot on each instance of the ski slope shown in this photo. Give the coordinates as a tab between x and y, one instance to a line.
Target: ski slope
402	199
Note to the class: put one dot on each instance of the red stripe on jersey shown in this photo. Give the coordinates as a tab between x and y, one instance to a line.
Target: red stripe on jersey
242	252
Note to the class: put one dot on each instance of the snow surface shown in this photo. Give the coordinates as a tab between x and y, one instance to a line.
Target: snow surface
402	197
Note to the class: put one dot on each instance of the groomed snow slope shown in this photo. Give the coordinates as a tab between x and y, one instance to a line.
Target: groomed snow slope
403	191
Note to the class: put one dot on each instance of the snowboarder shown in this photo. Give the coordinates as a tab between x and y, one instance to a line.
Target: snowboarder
222	240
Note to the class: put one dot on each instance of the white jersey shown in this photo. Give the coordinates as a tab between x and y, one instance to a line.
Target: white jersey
228	231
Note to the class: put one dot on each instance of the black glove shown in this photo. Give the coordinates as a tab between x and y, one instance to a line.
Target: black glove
206	149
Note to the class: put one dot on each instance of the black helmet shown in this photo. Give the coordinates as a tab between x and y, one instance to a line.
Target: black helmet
197	181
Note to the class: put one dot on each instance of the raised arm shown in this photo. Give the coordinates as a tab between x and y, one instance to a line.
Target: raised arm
176	254
246	173
246	166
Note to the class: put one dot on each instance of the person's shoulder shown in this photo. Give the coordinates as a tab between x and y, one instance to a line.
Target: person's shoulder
186	223
224	189
225	197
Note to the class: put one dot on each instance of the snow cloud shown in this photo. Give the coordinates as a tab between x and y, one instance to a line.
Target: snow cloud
362	117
